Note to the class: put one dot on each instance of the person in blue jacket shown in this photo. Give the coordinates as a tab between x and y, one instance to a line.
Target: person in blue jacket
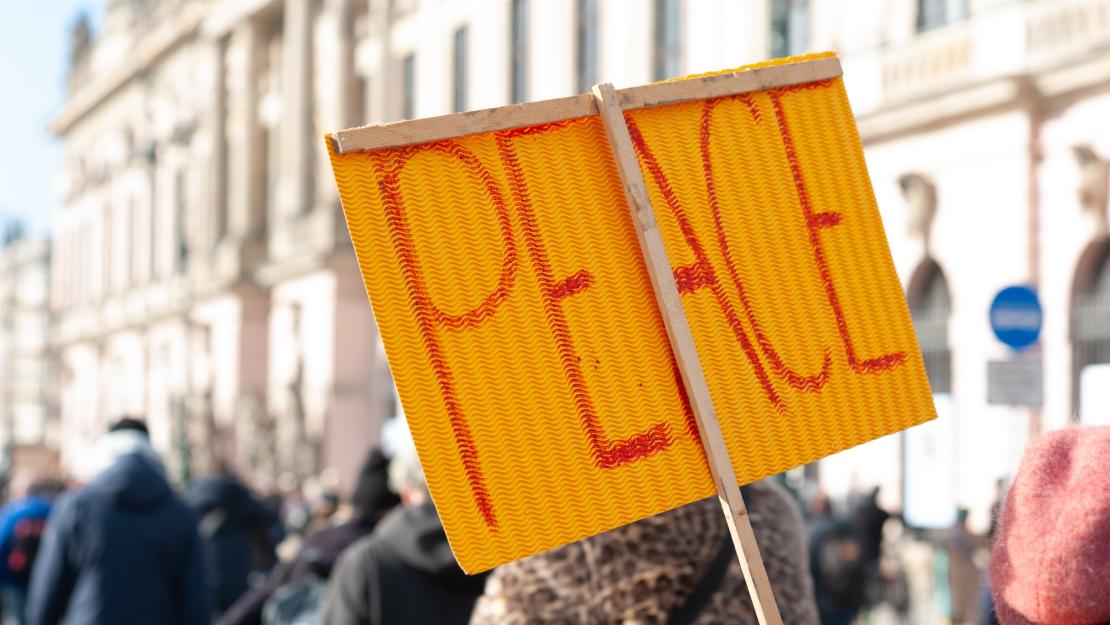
122	550
22	523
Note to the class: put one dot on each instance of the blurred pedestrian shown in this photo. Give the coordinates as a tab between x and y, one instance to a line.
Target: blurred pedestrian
278	532
370	501
1051	560
123	549
838	564
22	524
235	529
404	572
676	567
987	613
963	574
296	513
324	509
870	518
996	508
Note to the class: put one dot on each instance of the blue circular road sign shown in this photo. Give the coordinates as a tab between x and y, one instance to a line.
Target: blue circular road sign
1016	316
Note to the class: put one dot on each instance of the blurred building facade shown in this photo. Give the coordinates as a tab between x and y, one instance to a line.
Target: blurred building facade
203	276
27	429
980	119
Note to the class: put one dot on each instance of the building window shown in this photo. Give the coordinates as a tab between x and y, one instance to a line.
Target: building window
83	261
135	242
1091	333
408	87
181	220
930	307
518	49
934	13
789	27
586	45
461	47
668	39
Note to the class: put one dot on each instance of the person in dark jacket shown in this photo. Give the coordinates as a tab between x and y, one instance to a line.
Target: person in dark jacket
838	562
235	531
404	572
124	549
370	501
870	518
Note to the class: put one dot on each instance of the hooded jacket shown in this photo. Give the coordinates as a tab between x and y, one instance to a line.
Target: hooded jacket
123	550
234	532
33	507
321	549
402	573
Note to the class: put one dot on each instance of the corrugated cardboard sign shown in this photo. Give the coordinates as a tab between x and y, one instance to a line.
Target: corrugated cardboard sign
520	325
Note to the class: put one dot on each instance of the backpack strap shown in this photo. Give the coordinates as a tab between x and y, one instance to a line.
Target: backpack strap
698	600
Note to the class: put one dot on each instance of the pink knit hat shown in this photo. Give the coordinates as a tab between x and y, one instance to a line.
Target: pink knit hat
1051	560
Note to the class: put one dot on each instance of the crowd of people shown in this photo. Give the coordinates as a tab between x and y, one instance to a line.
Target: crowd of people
127	548
859	570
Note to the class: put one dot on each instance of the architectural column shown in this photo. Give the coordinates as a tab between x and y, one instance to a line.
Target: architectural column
380	85
358	404
79	260
61	247
121	252
245	208
252	426
107	250
341	15
216	226
345	44
336	80
297	92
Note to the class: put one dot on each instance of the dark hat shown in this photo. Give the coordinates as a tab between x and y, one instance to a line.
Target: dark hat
128	423
372	494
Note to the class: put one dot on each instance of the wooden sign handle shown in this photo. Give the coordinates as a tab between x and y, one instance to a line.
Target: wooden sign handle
682	344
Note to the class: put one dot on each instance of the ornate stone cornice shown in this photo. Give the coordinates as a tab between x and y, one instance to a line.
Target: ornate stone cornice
164	38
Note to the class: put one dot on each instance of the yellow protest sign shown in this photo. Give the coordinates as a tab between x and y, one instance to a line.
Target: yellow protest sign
520	324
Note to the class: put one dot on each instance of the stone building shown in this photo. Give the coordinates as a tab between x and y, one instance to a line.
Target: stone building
203	276
983	124
27	428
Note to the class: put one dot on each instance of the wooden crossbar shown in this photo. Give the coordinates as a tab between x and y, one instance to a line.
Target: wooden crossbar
411	132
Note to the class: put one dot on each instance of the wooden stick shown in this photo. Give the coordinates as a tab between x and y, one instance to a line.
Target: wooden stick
398	134
682	343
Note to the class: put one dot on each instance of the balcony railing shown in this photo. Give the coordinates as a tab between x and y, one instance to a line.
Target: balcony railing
1058	29
1007	39
935	60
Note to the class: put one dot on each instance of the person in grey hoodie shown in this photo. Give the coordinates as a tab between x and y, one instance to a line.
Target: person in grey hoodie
404	572
124	550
